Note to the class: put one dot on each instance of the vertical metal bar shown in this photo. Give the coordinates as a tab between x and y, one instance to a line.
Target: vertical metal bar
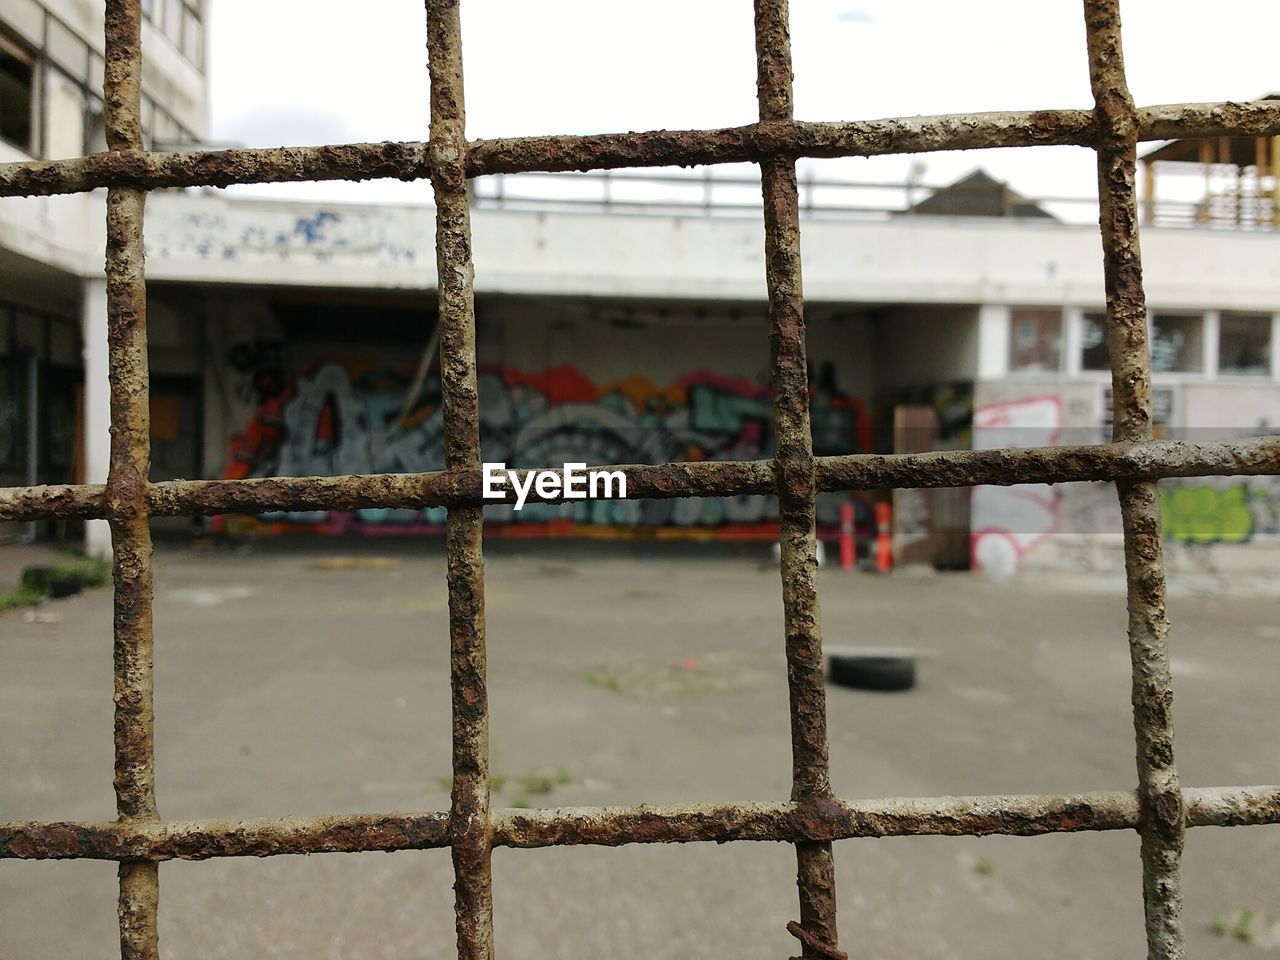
471	831
126	481
797	491
1163	825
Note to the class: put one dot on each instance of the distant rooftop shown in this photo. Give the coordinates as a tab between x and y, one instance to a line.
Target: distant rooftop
978	194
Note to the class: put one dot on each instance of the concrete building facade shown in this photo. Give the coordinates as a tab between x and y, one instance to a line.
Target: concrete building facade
298	338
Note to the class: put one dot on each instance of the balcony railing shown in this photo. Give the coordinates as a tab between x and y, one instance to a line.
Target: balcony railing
698	193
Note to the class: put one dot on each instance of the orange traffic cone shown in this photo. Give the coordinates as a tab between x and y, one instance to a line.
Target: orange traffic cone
884	543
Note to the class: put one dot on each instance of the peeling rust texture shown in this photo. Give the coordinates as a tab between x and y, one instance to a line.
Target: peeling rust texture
598	826
830	820
703	478
409	160
205	839
470	825
796	485
1163	821
125	494
215	168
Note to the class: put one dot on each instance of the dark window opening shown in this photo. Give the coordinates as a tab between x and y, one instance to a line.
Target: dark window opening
17	89
1177	343
1093	342
1244	344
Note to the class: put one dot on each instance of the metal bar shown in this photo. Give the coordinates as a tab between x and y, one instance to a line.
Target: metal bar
469	823
1163	818
1154	460
408	160
796	486
1015	816
127	476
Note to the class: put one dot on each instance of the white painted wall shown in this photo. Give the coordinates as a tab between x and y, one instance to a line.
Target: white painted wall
53	230
221	238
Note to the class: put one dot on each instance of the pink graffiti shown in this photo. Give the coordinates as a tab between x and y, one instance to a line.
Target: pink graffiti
1008	523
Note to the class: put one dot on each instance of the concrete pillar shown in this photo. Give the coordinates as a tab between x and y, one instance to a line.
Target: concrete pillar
97	406
1211	334
993	341
1072	340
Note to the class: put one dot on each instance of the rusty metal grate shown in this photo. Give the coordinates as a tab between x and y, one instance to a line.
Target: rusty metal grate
1159	809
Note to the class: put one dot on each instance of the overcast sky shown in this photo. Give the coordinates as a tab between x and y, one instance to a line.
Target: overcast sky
294	72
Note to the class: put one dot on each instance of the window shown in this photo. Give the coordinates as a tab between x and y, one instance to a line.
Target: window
193	37
1244	344
181	23
1093	342
95	127
96	69
171	23
1177	343
67	50
1035	339
66	111
17	73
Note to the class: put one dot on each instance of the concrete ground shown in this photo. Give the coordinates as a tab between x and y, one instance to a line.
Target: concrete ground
617	676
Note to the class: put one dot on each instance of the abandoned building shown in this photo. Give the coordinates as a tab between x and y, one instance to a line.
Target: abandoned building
625	322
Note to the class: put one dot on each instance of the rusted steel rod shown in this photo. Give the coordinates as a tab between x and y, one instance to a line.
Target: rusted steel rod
470	828
408	160
204	839
1162	825
130	465
863	138
705	478
784	822
797	488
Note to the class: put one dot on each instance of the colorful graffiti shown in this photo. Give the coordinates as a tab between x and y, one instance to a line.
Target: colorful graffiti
1009	524
1209	513
344	415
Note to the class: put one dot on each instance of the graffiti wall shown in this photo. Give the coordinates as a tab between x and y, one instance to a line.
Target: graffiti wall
344	413
1008	523
1076	526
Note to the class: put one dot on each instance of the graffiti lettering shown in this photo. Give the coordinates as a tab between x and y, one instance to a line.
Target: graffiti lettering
1207	514
336	418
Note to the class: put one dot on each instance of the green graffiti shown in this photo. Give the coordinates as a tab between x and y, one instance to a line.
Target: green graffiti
1204	514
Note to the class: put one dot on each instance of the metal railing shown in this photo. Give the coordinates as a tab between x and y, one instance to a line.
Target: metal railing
1159	809
708	194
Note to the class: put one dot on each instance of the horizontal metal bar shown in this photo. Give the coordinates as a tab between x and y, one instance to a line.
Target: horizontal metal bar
897	135
706	478
216	168
1019	816
753	142
203	839
1153	460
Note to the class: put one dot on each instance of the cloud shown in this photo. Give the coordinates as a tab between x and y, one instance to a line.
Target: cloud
855	15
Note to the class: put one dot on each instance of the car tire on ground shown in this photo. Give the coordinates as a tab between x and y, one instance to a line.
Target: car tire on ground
873	673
